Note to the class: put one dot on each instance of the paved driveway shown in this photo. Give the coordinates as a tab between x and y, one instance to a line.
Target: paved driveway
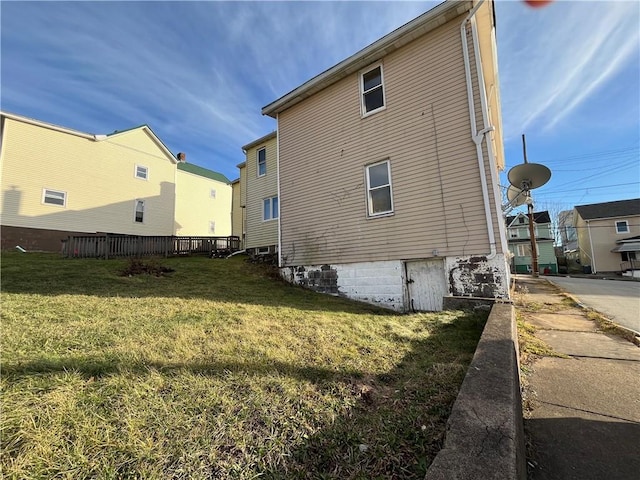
619	300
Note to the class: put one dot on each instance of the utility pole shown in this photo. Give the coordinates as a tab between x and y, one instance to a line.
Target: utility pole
532	234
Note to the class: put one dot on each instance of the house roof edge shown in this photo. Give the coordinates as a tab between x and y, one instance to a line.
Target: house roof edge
433	18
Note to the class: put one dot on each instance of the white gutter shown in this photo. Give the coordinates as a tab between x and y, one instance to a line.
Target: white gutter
593	258
278	181
476	136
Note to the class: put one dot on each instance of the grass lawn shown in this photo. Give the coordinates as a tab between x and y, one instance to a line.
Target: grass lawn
216	370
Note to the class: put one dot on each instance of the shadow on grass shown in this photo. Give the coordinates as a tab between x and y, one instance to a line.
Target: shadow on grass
231	280
392	424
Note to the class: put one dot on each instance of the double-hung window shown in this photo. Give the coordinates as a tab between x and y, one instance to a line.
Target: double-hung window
379	193
270	208
54	197
139	211
372	90
524	249
622	226
262	162
142	172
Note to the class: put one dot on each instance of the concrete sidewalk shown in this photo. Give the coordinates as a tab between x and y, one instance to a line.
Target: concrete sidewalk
582	413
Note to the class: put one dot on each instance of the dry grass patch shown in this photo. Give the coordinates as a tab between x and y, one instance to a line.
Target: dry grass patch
216	371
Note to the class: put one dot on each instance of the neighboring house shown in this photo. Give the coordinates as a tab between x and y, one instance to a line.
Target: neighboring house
519	237
388	167
607	235
568	235
261	195
57	181
237	211
203	201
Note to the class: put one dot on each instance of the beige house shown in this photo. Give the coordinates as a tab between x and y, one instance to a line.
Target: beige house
609	236
388	167
203	201
260	195
58	181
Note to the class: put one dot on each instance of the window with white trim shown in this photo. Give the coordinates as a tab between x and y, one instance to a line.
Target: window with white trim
54	197
261	156
142	172
513	233
379	193
372	90
139	211
524	249
622	226
212	227
212	193
270	208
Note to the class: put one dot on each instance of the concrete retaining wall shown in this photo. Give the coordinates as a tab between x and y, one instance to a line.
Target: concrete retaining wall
485	437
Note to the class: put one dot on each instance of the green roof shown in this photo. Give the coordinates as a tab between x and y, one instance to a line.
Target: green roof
203	172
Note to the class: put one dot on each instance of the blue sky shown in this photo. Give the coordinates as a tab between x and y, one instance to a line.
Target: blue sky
198	73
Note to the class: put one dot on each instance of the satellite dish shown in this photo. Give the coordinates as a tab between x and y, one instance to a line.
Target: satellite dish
516	196
528	176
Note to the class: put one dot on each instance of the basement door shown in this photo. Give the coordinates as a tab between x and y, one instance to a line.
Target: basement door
427	285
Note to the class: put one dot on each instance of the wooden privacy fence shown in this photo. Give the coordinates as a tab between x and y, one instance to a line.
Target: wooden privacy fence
112	246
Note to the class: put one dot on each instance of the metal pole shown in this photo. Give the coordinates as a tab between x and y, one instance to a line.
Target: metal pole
534	250
524	149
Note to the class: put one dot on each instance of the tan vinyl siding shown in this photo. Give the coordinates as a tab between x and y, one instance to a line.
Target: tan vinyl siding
424	132
98	177
604	237
261	233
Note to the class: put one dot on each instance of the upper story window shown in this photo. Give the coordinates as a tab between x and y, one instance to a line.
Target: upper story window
54	197
270	208
142	172
372	90
513	233
622	226
139	211
212	193
379	194
212	227
262	162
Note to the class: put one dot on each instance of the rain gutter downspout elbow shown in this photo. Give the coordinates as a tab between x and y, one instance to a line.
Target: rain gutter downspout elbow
476	136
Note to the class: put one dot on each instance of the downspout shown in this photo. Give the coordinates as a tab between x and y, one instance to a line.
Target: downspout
278	180
593	258
478	136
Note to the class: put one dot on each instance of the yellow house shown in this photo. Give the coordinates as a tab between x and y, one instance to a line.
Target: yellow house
203	201
58	181
388	167
260	192
238	224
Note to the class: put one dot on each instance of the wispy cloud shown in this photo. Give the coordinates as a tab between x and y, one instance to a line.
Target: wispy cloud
554	59
197	72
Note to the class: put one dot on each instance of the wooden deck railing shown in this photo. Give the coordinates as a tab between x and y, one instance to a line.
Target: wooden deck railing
112	246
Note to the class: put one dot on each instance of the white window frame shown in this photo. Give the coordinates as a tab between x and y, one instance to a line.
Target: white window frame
520	250
212	226
626	225
135	210
212	193
363	93
370	212
258	163
47	193
137	171
274	214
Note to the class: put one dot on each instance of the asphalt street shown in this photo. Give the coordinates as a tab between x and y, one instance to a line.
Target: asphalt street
619	300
